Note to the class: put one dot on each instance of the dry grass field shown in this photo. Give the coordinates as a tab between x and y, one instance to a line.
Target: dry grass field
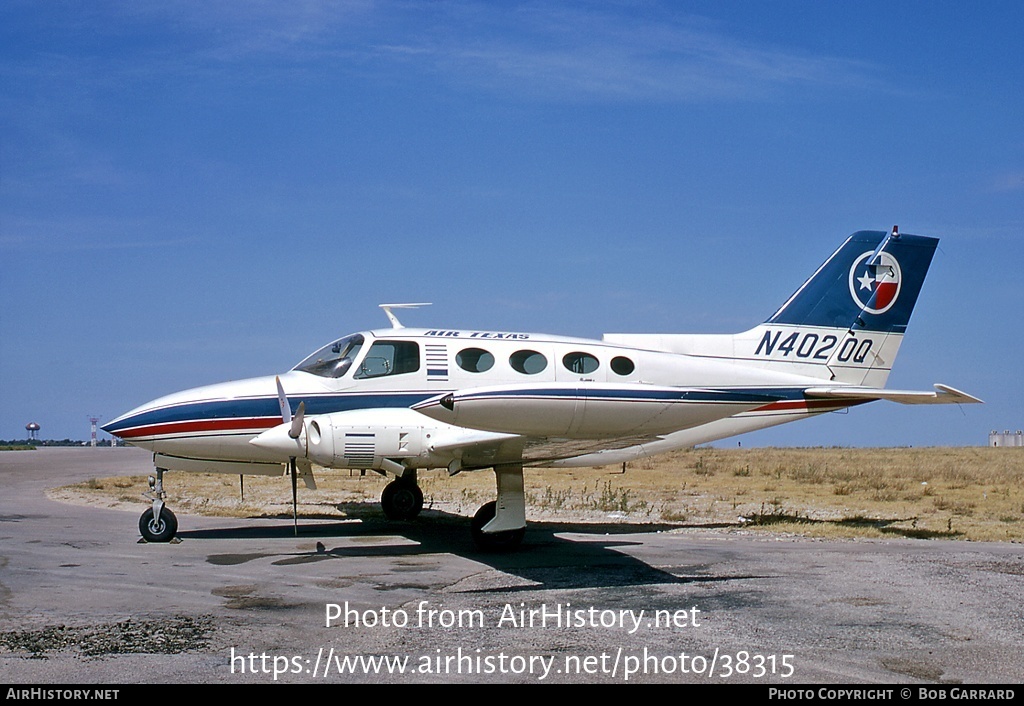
974	494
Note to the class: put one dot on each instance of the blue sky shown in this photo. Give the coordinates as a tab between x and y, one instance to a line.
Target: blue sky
193	192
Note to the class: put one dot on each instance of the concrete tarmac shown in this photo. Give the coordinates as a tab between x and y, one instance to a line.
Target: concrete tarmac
82	601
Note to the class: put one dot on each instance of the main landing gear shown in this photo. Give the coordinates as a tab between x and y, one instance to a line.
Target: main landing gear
498	526
402	498
158	523
504	541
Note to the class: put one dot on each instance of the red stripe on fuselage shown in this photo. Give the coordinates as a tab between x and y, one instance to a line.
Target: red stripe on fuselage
198	425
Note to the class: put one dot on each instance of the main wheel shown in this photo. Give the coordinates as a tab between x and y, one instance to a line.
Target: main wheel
401	500
162	530
493	541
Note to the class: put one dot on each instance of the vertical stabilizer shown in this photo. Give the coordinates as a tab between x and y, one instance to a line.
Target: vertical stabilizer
846	322
870	283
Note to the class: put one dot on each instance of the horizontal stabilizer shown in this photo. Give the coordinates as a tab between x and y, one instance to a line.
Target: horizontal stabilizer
943	394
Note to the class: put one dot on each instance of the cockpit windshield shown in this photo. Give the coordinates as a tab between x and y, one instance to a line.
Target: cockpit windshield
334	359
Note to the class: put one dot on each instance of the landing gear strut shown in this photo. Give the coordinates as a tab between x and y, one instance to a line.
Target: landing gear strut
158	523
500	525
402	498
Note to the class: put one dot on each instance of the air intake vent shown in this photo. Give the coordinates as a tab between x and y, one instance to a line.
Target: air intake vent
359	449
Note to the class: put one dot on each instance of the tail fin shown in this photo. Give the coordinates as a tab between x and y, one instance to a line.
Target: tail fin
844	324
870	283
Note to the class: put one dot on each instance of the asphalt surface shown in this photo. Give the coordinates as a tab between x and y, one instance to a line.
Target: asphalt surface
83	601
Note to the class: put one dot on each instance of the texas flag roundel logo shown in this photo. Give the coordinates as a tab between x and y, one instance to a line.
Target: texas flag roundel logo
876	287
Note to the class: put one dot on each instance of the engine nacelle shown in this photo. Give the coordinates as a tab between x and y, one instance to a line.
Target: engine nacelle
365	438
391	440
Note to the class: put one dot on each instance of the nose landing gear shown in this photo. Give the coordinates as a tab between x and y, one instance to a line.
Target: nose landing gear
158	523
160	528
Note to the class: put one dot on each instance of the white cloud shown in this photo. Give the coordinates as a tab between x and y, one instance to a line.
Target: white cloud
1009	181
574	54
544	50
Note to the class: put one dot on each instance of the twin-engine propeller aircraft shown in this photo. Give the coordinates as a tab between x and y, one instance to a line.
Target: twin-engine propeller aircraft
400	400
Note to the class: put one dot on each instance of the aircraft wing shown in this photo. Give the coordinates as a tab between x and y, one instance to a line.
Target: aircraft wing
534	423
943	394
485	449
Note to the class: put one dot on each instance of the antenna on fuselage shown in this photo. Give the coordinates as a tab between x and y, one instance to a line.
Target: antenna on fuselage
395	323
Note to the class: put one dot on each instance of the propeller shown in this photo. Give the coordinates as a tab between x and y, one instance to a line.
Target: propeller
294	431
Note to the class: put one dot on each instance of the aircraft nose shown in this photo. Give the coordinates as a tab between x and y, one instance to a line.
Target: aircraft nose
121	426
229	407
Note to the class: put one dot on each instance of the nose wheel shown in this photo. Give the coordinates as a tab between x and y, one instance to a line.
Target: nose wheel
160	528
402	499
158	523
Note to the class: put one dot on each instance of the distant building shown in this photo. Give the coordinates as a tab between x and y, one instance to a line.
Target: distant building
1006	438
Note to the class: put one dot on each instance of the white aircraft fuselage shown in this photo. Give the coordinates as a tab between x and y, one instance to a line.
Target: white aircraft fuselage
653	395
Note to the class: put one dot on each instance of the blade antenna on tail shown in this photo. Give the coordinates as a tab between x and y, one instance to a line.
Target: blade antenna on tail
874	260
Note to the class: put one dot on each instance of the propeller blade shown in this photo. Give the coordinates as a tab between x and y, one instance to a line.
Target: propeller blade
286	410
295	496
296	429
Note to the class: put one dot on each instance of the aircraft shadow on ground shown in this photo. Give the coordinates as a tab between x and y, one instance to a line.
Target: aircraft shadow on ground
545	560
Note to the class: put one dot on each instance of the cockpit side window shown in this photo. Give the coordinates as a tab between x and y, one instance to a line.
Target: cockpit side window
390	358
334	359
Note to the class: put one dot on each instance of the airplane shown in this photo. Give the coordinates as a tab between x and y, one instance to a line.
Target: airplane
400	400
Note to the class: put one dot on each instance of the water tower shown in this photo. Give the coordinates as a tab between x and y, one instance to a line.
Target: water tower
33	430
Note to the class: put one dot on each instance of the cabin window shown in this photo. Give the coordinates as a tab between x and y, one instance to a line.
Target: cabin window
474	360
622	365
390	358
580	363
528	362
334	359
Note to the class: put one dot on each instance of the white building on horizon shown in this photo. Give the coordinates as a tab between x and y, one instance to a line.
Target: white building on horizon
1006	438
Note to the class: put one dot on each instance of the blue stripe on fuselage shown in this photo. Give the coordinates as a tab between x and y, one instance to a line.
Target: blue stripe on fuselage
727	396
268	407
754	395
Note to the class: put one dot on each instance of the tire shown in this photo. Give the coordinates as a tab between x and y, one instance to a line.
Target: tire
506	541
162	530
401	500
